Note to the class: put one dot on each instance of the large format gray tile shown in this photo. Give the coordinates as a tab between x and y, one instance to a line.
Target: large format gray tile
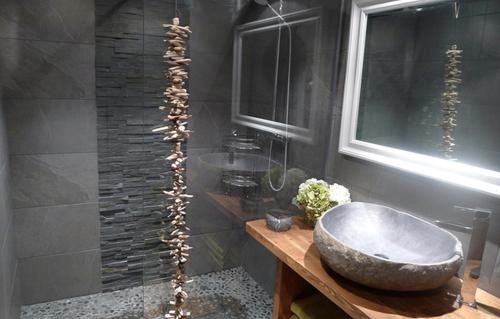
203	217
215	251
54	20
15	302
491	31
210	122
218	38
3	136
55	277
7	271
51	126
32	69
259	263
5	206
56	229
210	77
48	180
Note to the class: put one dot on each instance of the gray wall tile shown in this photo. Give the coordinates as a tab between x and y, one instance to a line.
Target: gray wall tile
259	263
8	260
8	264
118	18
3	137
5	208
37	69
15	304
210	77
51	126
215	251
159	12
46	180
210	122
53	20
203	217
56	277
56	229
218	38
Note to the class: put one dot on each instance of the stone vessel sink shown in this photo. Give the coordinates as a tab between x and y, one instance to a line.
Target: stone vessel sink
242	162
383	248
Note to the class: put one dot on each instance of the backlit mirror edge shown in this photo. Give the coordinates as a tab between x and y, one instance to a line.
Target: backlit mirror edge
458	174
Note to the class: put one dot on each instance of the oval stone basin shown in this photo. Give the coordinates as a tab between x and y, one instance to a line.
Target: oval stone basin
383	248
242	162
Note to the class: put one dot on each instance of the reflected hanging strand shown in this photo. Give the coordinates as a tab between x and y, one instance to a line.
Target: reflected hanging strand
450	100
287	112
176	132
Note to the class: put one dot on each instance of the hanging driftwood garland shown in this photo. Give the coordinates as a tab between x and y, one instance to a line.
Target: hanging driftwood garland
176	132
450	101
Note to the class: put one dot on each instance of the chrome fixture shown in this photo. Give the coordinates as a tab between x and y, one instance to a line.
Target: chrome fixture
472	267
236	142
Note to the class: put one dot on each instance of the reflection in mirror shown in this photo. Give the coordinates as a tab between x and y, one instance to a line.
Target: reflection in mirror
256	53
403	81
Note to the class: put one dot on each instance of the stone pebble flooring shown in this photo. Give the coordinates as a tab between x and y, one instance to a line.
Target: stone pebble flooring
228	294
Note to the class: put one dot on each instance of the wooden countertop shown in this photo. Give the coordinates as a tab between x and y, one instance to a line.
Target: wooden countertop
295	248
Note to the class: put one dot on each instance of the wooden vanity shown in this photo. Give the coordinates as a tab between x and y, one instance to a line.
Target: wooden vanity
300	269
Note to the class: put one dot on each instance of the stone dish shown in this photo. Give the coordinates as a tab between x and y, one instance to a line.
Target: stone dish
278	220
383	248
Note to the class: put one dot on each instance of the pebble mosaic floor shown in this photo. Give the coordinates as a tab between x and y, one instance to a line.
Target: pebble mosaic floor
228	294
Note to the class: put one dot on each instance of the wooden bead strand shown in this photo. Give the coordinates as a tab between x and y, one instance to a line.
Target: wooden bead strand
176	132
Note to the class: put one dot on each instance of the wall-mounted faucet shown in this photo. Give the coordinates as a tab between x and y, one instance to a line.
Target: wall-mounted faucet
472	267
236	142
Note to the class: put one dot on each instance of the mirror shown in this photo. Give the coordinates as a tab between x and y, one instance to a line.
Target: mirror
254	69
422	89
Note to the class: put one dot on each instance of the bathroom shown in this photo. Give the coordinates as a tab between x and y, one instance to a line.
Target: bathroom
364	94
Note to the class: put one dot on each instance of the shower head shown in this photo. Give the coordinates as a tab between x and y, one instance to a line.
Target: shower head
262	2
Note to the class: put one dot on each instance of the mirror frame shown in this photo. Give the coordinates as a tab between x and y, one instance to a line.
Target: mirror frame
294	132
459	174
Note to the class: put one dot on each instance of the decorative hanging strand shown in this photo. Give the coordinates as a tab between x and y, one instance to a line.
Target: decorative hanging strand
176	132
450	100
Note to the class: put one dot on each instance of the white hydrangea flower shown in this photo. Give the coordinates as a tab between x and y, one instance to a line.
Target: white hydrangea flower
311	181
339	194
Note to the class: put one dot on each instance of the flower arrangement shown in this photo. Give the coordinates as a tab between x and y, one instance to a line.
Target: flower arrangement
317	196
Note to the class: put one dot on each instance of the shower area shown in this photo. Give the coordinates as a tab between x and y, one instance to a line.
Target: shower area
88	174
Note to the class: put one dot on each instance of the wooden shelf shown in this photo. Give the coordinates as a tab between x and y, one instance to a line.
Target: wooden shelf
295	250
231	207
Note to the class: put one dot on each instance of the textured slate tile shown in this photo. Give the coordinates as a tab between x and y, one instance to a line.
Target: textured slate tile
53	20
118	18
159	12
47	180
51	126
56	229
55	277
34	69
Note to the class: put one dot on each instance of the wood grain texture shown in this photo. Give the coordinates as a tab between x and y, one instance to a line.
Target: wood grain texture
295	248
289	287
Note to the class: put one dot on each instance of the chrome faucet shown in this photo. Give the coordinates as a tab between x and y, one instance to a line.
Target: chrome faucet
231	149
472	267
